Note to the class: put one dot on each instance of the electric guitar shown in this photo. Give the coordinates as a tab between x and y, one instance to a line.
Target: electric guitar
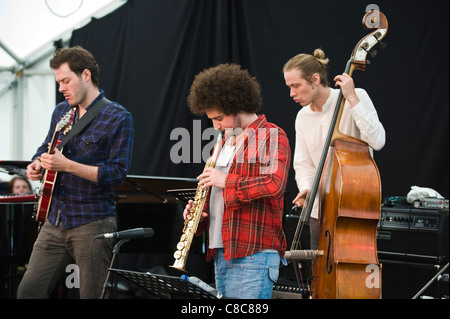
48	181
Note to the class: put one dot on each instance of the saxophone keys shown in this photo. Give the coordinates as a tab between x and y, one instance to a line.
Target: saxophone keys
177	254
181	245
182	252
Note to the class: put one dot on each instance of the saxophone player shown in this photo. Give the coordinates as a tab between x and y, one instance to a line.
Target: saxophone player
244	209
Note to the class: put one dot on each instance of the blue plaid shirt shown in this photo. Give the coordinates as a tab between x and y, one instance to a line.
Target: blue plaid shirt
106	142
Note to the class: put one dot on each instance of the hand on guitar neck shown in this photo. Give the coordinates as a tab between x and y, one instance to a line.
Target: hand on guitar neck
53	162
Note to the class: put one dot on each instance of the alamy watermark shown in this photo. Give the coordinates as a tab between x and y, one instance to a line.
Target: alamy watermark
373	279
261	145
373	19
73	277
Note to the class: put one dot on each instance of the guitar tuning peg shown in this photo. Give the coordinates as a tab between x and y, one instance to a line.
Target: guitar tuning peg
368	62
373	53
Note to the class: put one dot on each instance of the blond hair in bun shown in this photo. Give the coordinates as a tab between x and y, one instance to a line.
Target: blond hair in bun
310	64
320	55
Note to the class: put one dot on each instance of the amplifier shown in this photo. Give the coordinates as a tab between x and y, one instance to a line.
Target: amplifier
408	233
286	292
432	203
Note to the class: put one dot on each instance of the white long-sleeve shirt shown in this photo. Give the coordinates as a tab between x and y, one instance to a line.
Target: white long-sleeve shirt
312	128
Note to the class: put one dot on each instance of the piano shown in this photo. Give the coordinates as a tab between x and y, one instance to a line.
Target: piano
18	198
17	234
17	230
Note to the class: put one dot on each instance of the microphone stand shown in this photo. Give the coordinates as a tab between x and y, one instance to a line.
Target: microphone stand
430	282
116	249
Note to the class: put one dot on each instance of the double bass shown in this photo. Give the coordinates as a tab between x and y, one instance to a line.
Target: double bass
349	186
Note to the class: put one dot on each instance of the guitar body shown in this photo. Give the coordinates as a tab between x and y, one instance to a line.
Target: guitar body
49	179
46	195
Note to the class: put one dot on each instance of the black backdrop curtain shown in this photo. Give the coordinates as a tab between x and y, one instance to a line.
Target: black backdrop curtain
150	50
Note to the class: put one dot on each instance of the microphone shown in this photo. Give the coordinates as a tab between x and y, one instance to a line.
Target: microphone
128	234
306	254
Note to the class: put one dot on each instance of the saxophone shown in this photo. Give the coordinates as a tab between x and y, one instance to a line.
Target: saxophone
195	213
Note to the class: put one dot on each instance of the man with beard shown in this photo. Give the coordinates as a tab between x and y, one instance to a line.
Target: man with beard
91	164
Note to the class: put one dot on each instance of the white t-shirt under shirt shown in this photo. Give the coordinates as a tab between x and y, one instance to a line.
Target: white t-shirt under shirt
216	203
216	213
312	128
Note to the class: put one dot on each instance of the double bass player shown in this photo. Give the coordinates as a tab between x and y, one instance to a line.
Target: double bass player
306	77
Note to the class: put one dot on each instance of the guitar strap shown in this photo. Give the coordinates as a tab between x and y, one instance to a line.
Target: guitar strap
85	120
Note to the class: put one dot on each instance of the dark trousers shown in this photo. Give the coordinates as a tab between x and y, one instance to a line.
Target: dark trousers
58	250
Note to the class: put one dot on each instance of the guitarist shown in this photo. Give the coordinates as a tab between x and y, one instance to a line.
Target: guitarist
90	165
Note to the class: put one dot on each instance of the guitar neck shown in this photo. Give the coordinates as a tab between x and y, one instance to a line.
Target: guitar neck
54	142
49	178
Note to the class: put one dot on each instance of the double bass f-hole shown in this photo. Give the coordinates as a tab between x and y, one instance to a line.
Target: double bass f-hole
329	265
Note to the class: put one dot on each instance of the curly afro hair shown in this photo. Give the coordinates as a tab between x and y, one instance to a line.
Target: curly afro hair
227	88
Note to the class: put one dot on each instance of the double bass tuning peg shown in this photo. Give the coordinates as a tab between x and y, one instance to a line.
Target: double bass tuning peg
377	35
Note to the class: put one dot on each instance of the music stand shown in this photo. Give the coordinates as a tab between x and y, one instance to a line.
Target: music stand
183	194
164	286
151	188
14	167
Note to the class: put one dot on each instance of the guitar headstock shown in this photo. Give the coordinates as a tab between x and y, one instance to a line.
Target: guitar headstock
377	22
65	124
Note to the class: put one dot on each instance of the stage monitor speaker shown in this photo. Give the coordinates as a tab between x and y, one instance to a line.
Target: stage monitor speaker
412	247
410	234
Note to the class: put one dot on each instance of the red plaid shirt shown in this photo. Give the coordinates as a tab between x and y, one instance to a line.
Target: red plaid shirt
253	194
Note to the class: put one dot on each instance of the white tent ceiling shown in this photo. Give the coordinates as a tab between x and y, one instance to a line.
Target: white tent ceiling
29	27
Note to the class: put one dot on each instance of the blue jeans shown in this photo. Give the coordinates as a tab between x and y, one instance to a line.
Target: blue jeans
250	277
